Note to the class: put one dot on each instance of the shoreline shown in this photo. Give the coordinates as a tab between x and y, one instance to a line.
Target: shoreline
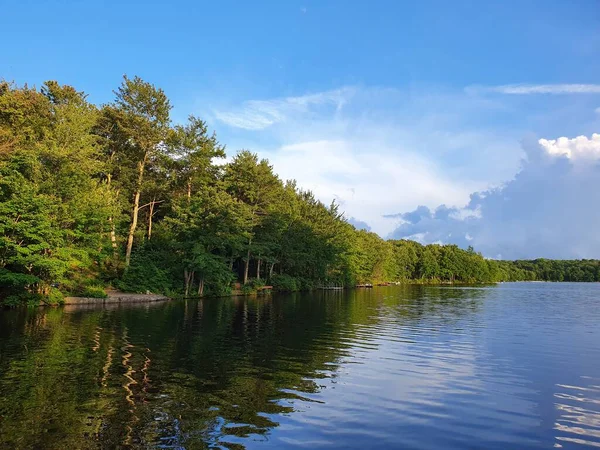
116	298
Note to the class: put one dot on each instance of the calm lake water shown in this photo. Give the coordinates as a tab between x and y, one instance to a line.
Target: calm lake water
510	366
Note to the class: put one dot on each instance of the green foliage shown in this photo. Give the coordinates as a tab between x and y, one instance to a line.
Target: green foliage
93	292
247	289
285	283
257	283
145	275
55	297
23	298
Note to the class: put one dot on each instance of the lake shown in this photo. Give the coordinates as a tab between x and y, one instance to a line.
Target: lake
515	365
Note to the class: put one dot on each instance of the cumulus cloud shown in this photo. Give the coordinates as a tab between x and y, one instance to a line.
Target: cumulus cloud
528	89
578	150
550	209
365	183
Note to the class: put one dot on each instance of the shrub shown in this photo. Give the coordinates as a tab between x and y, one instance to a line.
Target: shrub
285	283
12	301
55	297
306	284
256	283
143	275
93	292
24	298
218	280
247	289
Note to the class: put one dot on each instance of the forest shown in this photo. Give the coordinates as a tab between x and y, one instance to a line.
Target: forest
118	195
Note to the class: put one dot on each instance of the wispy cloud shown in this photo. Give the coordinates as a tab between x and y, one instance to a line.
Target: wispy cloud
529	89
261	114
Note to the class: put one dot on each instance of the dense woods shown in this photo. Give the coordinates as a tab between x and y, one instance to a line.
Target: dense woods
118	195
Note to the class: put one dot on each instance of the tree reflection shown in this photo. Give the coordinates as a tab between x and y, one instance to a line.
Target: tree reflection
190	374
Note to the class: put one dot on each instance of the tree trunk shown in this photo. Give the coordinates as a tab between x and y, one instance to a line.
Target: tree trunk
186	277
189	280
271	267
136	210
189	190
201	286
150	214
134	219
246	264
258	269
113	235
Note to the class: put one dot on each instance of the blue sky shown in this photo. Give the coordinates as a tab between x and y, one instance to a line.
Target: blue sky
281	48
382	105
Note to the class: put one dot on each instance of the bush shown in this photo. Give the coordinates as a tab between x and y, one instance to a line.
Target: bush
285	283
218	280
26	298
306	284
247	289
213	289
55	297
256	283
143	275
93	292
13	301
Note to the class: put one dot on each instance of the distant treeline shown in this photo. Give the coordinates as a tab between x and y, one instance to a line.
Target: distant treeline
411	261
117	195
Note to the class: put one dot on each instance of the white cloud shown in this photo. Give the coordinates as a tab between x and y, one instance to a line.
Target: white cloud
367	184
382	150
527	89
548	210
576	149
261	114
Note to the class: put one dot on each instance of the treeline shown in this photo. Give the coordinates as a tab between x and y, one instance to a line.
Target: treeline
117	195
585	270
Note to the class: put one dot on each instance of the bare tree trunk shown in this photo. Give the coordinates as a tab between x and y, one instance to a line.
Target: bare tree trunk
136	210
246	265
201	286
134	220
189	280
271	267
189	190
113	235
150	214
186	276
258	268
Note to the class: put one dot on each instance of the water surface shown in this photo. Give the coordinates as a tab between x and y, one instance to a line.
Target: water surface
510	366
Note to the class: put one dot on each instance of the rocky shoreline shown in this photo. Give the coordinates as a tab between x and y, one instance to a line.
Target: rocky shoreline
115	298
